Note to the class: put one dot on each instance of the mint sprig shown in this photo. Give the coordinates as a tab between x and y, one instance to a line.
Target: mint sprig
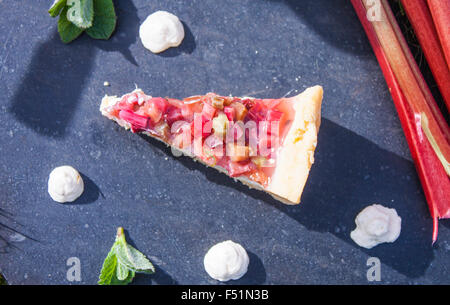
123	262
96	17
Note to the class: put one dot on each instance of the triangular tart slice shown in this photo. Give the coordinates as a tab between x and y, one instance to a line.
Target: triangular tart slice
267	144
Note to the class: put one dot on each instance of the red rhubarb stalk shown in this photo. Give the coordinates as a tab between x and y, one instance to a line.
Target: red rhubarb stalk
392	58
440	10
420	17
408	74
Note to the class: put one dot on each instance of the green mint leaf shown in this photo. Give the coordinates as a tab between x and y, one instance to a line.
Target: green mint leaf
104	20
134	259
81	13
122	263
109	268
129	279
114	273
122	272
66	29
141	263
57	7
131	257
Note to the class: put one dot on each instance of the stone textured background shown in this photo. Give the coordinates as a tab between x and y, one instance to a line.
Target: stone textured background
173	208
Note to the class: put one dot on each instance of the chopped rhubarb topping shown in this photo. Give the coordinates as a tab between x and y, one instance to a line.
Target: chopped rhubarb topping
180	127
162	130
174	102
201	126
238	153
209	158
124	105
265	143
239	135
132	98
236	169
237	131
187	112
138	122
141	98
271	103
160	103
266	127
193	99
277	120
173	115
151	110
260	177
208	111
273	115
214	142
248	103
251	135
240	110
257	113
229	112
217	102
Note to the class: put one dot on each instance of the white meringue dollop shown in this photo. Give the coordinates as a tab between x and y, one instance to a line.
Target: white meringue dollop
65	184
376	224
226	261
160	31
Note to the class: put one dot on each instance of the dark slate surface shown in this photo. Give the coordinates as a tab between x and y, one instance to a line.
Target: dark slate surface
173	208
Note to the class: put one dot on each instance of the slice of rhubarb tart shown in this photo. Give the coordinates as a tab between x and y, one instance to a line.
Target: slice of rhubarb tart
267	144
